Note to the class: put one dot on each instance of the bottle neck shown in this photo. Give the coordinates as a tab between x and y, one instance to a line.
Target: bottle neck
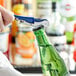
55	18
41	37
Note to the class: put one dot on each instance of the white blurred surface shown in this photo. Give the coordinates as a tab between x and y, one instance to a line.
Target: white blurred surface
41	75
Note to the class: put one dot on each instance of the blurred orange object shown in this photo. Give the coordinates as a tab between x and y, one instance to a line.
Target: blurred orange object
18	7
2	2
26	43
6	4
14	28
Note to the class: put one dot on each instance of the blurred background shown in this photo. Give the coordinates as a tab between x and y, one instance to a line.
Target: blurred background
61	31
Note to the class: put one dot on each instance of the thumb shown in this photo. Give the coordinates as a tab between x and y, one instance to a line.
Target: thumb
7	16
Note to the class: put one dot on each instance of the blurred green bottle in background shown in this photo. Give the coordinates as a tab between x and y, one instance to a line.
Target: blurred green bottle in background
67	10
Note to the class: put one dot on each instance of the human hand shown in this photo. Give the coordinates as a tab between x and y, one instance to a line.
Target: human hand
6	17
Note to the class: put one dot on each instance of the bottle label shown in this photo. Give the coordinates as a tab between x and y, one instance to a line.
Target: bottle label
44	7
68	7
57	39
25	48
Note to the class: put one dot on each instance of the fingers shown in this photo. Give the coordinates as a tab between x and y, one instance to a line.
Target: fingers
7	16
1	23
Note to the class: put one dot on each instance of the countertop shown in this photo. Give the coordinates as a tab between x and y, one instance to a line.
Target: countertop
41	75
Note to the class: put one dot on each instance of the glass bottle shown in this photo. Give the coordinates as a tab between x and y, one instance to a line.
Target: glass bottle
53	28
56	34
51	62
68	17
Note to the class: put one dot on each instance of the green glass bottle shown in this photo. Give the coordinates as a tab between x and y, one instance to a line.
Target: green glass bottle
52	63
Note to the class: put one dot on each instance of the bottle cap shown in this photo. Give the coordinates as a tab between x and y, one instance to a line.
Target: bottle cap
53	6
38	22
27	19
38	27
